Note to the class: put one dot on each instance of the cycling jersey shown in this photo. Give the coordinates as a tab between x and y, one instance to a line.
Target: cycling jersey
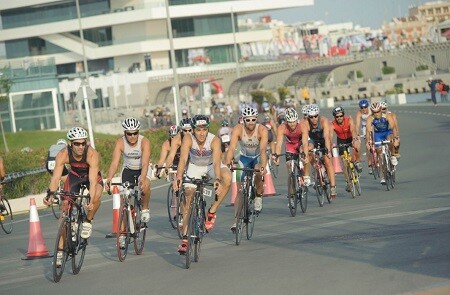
79	172
364	122
269	127
316	134
250	143
293	138
381	129
342	131
132	155
203	156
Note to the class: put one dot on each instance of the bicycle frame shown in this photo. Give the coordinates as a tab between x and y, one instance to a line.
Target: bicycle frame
322	185
352	175
385	159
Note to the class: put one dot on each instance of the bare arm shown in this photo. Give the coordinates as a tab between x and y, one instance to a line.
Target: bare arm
145	157
326	133
93	159
2	169
263	145
184	154
118	150
280	134
352	128
305	133
176	143
165	150
217	155
237	130
358	121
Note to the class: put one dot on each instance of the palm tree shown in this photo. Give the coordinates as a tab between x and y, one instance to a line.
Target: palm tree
5	87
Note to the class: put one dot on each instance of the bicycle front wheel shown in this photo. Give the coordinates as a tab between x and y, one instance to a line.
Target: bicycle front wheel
172	207
318	187
179	215
386	172
292	194
123	234
6	216
251	213
351	180
240	219
56	207
140	229
61	245
77	243
189	256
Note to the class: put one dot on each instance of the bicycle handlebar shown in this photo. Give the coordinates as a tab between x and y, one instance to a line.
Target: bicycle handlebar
125	184
247	169
383	142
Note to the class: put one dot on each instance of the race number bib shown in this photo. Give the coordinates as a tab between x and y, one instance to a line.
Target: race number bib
207	192
51	165
225	138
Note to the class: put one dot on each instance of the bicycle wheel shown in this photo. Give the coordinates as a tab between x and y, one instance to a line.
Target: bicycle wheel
199	231
240	218
326	186
189	256
292	194
274	170
172	207
63	236
357	183
123	233
179	215
6	216
386	172
350	180
302	195
56	207
140	228
251	213
375	164
78	245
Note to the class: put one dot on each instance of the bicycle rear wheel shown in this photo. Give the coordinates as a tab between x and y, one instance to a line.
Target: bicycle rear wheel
140	228
6	216
251	213
123	233
172	205
292	194
62	236
240	219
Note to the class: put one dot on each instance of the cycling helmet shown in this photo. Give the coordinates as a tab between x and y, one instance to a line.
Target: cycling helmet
61	141
313	110
225	123
291	115
184	112
200	121
266	118
130	124
185	123
173	130
375	107
338	110
363	103
383	104
305	109
249	112
77	133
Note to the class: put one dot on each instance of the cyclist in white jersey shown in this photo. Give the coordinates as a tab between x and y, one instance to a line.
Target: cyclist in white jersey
203	151
360	125
253	139
135	150
384	110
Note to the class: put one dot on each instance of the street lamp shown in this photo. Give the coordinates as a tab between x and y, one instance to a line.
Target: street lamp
176	87
236	57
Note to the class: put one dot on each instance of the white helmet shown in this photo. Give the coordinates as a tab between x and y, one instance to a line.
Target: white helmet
249	112
305	109
383	104
291	115
375	107
77	133
130	124
61	141
313	110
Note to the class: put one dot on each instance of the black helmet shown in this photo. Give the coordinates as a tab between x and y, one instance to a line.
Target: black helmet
338	110
200	121
185	123
225	123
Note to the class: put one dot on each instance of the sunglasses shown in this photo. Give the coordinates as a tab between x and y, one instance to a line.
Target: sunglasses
250	120
313	116
79	143
383	110
364	108
373	112
132	133
340	116
187	130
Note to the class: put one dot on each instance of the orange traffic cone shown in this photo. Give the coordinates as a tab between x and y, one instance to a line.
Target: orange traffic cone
233	188
336	161
269	188
115	215
36	243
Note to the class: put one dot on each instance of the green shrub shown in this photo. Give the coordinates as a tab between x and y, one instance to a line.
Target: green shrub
388	70
259	96
422	68
283	92
359	74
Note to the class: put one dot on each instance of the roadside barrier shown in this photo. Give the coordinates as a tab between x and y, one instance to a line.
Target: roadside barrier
269	188
336	160
233	188
36	243
115	213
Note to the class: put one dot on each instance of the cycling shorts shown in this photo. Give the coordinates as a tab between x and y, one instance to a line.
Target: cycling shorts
380	136
246	162
342	141
194	171
74	182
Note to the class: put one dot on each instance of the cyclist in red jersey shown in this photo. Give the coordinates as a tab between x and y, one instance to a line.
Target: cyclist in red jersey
345	130
291	130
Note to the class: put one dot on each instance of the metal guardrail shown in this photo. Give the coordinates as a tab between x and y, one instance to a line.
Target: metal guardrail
12	176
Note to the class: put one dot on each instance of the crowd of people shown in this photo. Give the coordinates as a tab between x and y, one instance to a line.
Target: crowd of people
191	150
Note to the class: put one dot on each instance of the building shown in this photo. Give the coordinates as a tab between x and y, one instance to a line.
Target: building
125	42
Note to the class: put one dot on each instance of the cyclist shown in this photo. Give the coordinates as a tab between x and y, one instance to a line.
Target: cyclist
165	150
175	144
280	115
271	126
292	132
84	170
135	151
51	156
345	131
202	149
253	139
305	109
318	129
384	128
360	125
384	109
224	135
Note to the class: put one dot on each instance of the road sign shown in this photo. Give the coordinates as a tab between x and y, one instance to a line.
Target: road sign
85	92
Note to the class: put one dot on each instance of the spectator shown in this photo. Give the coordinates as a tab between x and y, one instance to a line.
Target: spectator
443	90
432	85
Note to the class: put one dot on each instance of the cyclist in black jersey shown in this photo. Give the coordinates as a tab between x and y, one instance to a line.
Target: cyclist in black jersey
165	150
175	145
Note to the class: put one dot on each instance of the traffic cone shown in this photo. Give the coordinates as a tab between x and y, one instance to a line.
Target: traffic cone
115	215
336	161
36	243
233	188
269	188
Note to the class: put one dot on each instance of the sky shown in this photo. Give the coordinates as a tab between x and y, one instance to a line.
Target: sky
366	13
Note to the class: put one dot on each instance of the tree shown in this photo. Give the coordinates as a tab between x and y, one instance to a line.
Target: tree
5	87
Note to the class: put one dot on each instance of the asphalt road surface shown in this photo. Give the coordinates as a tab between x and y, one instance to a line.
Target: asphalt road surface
384	242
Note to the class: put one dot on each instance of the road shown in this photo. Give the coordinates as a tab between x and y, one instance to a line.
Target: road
380	243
